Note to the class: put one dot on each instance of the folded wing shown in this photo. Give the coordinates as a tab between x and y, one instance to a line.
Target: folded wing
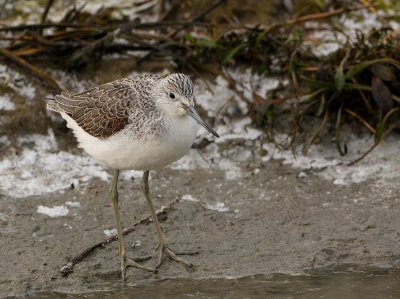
101	111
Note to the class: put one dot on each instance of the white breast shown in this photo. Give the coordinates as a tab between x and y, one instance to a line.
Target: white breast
123	152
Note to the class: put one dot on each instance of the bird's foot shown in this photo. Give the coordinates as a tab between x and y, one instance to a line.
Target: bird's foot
127	262
165	250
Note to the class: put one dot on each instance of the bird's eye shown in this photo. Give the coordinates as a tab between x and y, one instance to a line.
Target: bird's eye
171	95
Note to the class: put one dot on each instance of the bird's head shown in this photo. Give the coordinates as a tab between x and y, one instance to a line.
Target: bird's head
174	95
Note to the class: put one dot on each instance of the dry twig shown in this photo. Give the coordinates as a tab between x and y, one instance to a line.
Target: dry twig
73	261
198	17
46	10
27	66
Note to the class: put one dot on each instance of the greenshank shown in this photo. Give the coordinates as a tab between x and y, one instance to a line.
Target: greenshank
136	123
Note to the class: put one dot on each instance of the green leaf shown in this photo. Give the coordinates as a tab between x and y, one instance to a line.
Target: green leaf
331	86
207	43
231	54
380	128
340	78
356	86
357	69
294	37
321	107
259	38
309	97
338	127
189	38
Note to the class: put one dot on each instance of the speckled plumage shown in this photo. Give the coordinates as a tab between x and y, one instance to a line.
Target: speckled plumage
130	123
139	123
106	109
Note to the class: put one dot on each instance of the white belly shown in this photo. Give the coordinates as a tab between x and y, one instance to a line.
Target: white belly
122	152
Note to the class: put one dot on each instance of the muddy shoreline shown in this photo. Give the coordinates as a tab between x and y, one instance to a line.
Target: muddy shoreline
247	204
276	222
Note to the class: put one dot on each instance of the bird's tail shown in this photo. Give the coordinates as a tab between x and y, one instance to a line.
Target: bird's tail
63	102
52	104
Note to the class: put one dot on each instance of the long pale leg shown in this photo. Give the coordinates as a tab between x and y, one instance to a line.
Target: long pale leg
163	246
125	262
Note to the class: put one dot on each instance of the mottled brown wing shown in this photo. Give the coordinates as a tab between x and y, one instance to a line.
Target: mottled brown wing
101	111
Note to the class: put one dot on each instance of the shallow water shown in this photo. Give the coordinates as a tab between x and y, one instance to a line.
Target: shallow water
333	284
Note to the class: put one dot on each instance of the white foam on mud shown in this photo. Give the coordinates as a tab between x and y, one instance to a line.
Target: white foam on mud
217	206
41	168
326	39
210	158
110	232
124	8
214	206
29	12
219	101
71	82
215	156
188	197
6	103
55	211
381	165
16	81
217	94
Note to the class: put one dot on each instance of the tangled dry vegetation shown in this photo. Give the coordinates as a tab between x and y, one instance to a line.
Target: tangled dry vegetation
359	82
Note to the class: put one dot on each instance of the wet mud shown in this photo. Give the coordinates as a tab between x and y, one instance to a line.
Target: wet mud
269	221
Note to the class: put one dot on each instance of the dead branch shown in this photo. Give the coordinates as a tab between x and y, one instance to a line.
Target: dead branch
68	268
198	17
364	154
46	10
316	16
149	25
82	55
313	17
31	69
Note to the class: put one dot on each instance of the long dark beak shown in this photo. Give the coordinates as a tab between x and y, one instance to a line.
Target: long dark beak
192	112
